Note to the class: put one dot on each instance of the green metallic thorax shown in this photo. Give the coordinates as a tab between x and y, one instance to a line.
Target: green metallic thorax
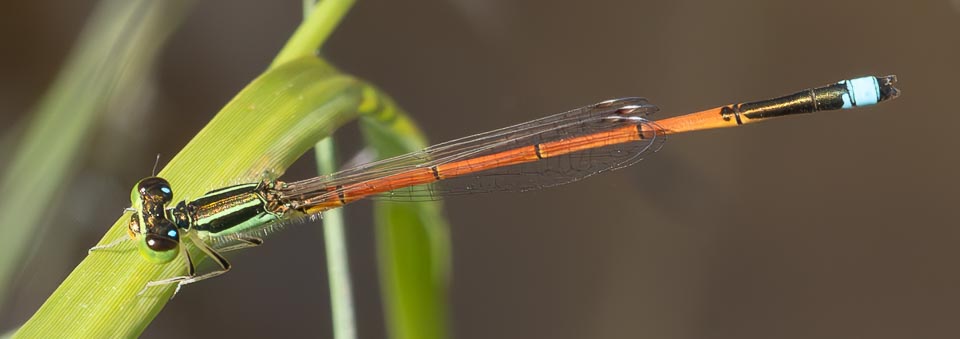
226	211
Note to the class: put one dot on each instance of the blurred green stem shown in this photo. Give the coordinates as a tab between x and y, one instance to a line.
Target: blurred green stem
338	263
334	228
314	31
115	50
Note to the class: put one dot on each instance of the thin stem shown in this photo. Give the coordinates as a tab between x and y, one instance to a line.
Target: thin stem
338	263
307	6
314	30
334	235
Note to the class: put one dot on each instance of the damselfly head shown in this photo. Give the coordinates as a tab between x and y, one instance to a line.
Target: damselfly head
158	239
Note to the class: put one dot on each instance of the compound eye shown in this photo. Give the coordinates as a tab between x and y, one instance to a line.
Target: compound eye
162	236
161	243
153	188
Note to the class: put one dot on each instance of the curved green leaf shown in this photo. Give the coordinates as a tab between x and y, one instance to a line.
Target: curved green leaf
264	129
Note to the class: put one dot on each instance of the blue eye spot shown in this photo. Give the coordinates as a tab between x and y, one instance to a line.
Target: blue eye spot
172	233
165	190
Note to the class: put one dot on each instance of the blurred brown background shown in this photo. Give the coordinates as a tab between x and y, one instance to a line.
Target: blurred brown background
838	225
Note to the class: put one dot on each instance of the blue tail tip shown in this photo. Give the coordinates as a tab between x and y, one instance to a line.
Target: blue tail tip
869	90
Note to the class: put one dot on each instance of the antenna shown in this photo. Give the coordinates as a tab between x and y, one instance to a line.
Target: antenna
155	163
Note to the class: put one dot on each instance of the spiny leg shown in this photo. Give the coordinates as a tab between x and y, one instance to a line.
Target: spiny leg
192	277
191	272
244	242
111	244
213	254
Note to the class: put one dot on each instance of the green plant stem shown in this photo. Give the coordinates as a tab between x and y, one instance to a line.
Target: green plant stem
314	30
334	230
338	263
308	7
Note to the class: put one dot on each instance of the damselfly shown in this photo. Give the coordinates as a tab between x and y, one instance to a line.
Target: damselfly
550	151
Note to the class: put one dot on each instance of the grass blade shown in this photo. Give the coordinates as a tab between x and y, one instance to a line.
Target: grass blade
338	263
264	129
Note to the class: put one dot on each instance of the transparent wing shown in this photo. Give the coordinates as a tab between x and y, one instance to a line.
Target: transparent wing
594	123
